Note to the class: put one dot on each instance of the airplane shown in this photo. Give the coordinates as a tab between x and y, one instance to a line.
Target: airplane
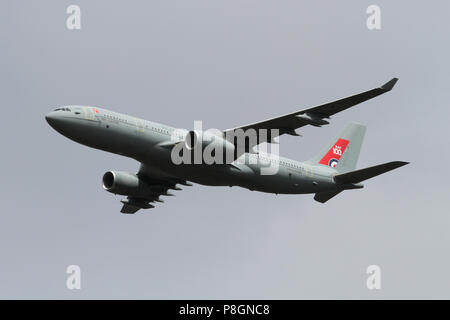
325	175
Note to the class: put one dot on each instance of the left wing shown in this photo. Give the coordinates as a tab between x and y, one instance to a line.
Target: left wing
313	116
159	183
132	205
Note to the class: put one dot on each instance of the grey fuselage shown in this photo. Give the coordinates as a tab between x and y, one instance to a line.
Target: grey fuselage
144	141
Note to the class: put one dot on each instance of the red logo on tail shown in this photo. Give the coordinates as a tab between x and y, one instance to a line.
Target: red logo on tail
334	154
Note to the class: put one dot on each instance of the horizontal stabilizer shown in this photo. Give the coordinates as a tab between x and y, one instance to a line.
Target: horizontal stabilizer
323	197
367	173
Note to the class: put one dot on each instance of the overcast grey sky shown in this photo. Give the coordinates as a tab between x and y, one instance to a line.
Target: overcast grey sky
227	63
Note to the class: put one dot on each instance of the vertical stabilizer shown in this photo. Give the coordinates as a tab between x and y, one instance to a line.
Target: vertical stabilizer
343	151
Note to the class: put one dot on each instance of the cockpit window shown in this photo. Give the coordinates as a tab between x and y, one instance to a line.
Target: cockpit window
62	109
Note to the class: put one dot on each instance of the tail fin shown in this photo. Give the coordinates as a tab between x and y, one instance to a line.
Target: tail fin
342	153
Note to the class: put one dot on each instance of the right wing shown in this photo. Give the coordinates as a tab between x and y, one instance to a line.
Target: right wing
314	116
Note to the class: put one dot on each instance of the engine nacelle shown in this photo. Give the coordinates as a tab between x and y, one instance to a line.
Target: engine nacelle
125	183
211	144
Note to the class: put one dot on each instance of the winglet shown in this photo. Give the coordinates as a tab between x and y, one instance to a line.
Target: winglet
389	85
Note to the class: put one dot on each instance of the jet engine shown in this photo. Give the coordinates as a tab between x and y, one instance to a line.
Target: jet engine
124	183
211	144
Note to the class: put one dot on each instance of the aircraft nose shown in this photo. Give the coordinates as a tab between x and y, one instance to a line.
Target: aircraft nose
52	118
57	121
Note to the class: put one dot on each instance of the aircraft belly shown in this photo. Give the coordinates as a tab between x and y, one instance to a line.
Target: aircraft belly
288	182
228	175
